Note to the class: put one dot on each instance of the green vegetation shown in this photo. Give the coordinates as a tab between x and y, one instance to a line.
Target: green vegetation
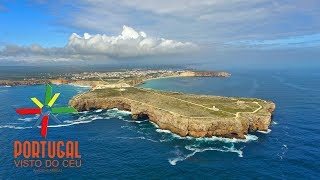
183	104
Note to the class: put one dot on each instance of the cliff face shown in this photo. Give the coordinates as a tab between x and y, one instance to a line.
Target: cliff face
205	74
59	81
183	125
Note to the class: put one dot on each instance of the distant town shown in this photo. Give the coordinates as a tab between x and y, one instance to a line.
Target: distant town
119	74
125	77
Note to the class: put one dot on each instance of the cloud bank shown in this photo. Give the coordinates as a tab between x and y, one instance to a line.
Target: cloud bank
205	20
130	43
307	41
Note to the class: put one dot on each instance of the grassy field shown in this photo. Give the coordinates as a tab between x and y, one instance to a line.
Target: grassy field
184	104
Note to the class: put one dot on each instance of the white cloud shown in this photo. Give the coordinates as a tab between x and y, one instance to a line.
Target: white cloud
205	20
130	43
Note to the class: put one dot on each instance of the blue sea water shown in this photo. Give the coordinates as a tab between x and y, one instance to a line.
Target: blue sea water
114	146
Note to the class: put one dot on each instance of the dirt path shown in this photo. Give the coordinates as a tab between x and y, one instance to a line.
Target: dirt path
188	102
251	112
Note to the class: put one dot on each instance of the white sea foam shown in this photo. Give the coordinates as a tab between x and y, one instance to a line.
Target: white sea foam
155	125
14	127
112	113
196	150
80	120
125	127
7	86
29	118
248	137
284	149
70	124
117	113
273	122
164	131
98	110
123	112
135	121
96	118
140	137
83	112
165	140
265	132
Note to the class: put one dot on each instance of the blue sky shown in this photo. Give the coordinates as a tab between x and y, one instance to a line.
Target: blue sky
39	31
25	23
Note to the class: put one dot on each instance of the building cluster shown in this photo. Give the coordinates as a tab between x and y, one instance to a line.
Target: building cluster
118	74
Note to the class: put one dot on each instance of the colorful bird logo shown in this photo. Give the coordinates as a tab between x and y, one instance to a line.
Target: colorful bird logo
46	110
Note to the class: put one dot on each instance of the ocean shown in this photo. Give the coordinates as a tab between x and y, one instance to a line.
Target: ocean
113	146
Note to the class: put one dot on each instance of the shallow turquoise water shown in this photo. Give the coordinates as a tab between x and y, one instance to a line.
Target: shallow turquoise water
114	146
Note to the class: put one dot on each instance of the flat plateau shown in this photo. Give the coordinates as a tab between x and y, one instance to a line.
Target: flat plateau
183	114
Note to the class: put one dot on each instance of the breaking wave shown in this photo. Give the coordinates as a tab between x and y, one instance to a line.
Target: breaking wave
83	112
80	120
265	132
248	137
135	121
164	131
83	119
195	150
99	115
98	110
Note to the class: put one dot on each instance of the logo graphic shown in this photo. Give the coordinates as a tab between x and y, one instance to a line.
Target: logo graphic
45	110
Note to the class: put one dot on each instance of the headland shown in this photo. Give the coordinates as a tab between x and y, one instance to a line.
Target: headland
183	114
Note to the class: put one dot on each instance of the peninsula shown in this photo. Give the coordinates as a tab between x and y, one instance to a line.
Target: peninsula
183	114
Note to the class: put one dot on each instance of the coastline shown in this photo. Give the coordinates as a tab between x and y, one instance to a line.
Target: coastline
94	83
140	110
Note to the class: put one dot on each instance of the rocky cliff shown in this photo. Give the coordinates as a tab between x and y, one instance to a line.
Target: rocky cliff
205	74
184	125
